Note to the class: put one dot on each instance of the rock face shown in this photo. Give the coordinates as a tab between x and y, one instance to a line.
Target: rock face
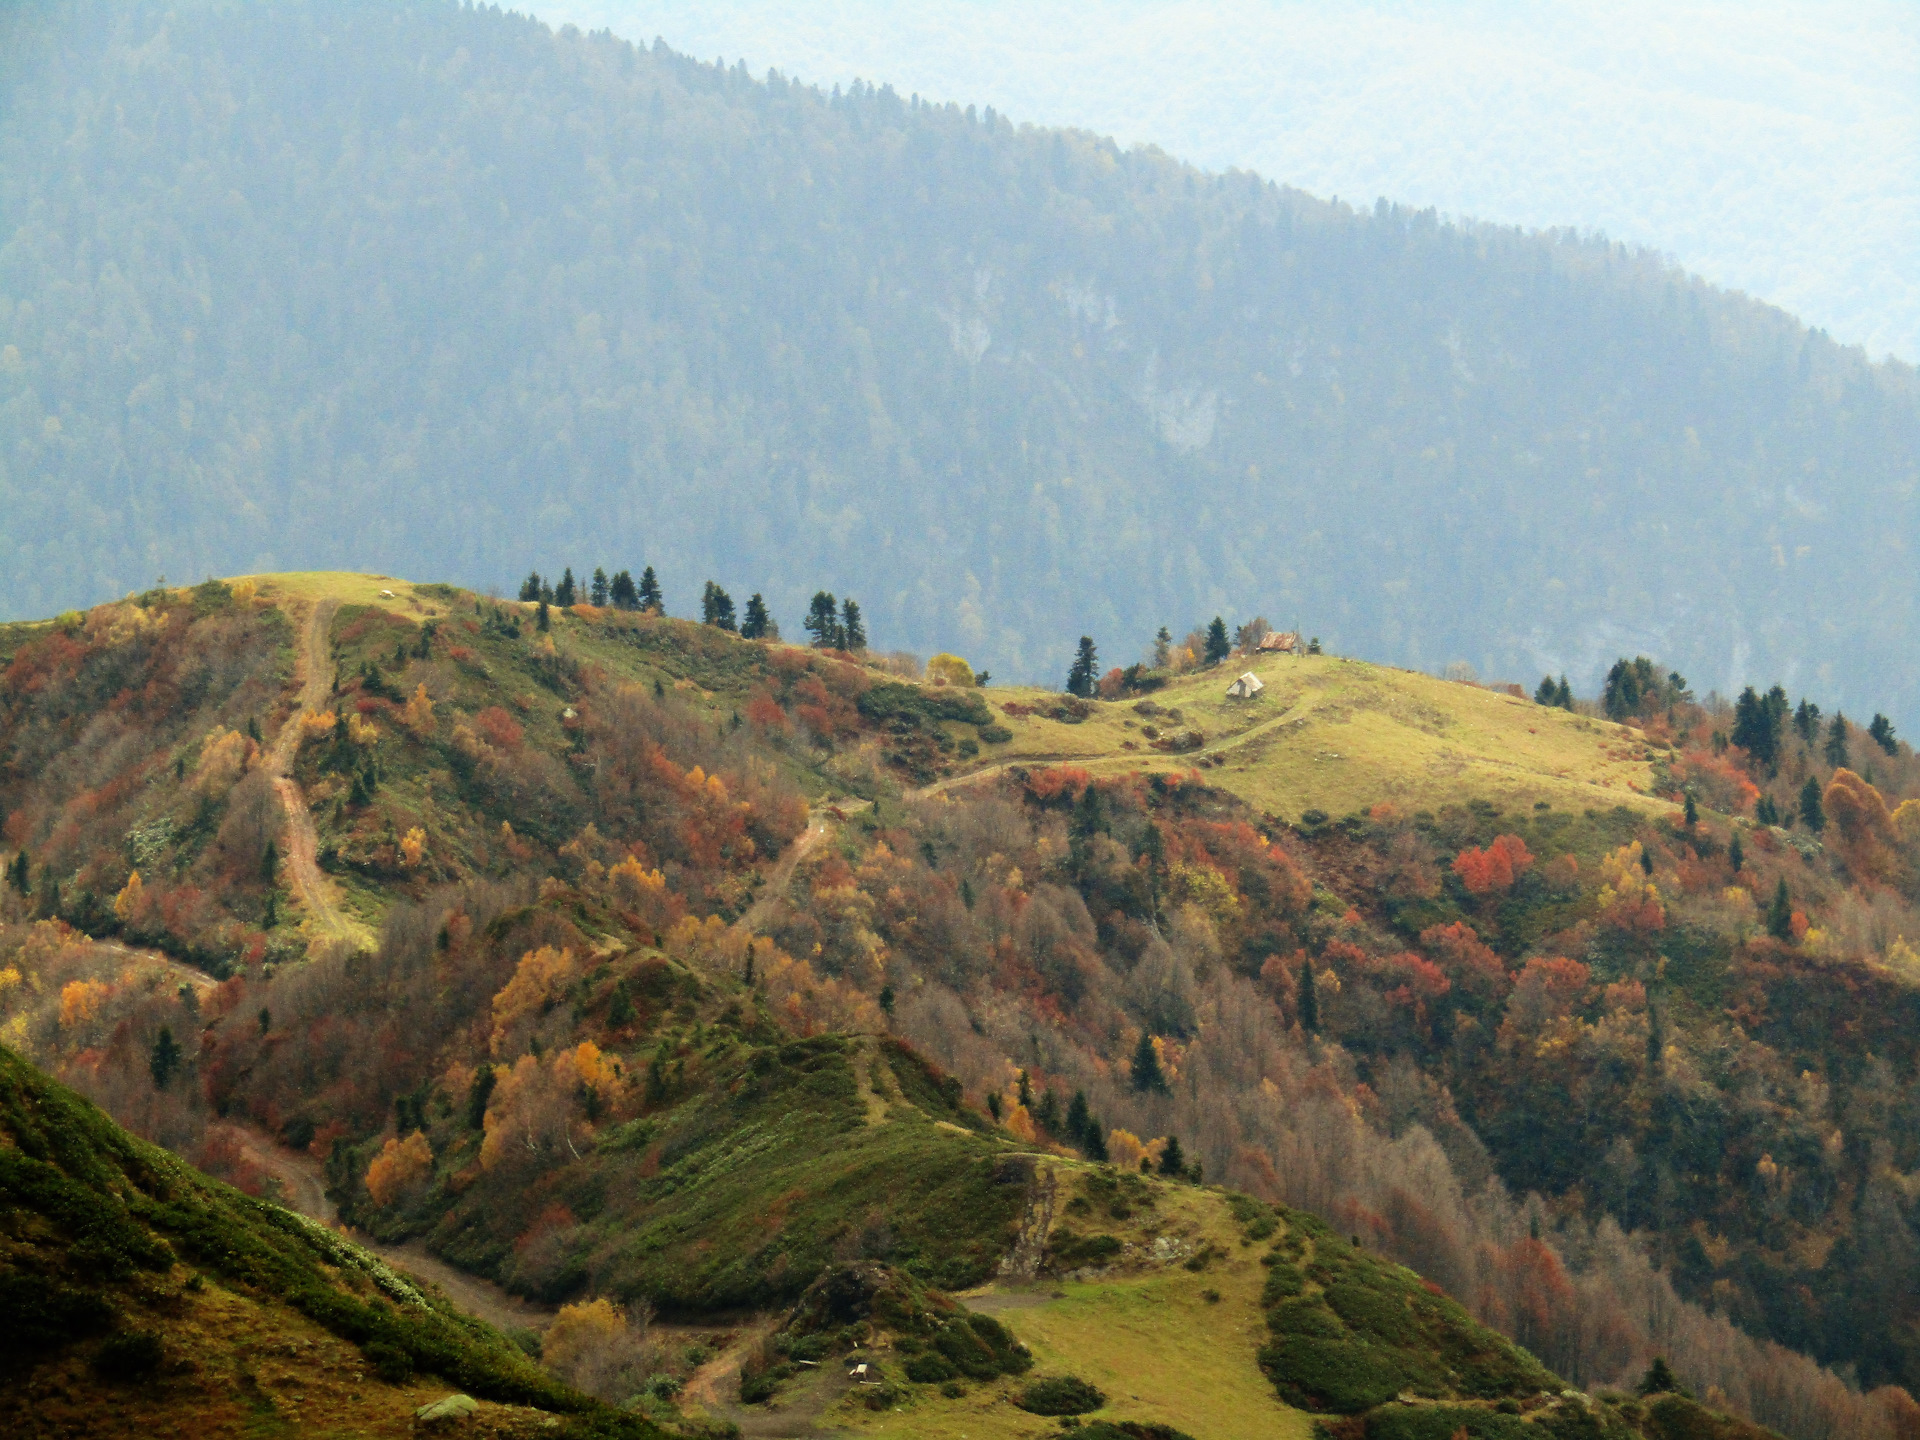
448	1411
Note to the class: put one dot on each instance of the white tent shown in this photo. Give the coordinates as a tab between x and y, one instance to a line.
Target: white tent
1245	688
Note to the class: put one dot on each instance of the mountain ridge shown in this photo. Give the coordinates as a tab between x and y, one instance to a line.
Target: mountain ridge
869	325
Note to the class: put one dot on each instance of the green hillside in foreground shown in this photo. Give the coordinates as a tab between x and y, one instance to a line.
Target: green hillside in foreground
139	1297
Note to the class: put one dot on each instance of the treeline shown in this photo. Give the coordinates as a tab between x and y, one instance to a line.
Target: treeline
833	625
1038	385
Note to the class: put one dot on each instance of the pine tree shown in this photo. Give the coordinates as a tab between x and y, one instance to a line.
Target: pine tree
563	593
649	596
1093	1143
1736	853
1692	811
599	592
1756	726
20	873
853	631
478	1094
1564	696
620	1008
1546	693
1023	1091
269	862
1836	751
1309	1000
165	1057
1813	814
1780	913
1146	1074
758	625
622	593
1173	1163
716	607
530	588
1162	649
1047	1113
1881	733
1806	720
1659	1378
1623	692
823	621
542	621
1085	670
1219	647
1765	811
1078	1117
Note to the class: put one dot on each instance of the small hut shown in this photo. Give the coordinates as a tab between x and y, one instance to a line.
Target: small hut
1279	642
1245	688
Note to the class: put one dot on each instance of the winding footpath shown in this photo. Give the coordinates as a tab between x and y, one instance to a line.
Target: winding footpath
313	890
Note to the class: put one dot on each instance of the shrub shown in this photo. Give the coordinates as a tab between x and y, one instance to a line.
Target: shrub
389	1362
930	1368
1060	1395
129	1355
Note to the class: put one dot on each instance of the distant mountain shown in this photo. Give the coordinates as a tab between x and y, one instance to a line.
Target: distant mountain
433	290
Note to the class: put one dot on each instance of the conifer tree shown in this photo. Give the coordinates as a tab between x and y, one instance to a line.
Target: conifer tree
1546	693
1881	733
269	863
823	621
853	631
622	593
1813	814
758	624
1765	811
649	596
1162	649
1806	720
716	607
1085	670
1736	853
563	593
1756	727
1173	1163
1219	647
1093	1143
1023	1091
530	588
1309	1000
1837	741
1047	1113
1078	1117
599	593
541	620
1145	1073
1780	913
1564	697
164	1059
1692	816
1659	1378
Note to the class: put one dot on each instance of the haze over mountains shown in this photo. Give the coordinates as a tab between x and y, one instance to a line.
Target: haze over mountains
434	291
1773	148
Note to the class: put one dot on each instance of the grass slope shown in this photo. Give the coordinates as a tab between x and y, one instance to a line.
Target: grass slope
137	1296
1339	736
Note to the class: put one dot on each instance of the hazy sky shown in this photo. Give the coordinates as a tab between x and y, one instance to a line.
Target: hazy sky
1773	148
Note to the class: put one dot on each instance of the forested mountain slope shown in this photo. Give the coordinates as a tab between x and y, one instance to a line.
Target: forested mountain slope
414	286
705	964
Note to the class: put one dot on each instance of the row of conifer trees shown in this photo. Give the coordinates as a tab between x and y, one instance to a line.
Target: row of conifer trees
831	623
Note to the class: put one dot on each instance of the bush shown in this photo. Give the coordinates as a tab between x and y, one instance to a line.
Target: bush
130	1355
389	1362
930	1368
1060	1395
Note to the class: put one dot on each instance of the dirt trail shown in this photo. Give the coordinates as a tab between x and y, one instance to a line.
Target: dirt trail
305	1186
314	890
774	890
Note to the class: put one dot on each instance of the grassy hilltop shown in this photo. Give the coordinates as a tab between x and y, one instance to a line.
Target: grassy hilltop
1341	736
